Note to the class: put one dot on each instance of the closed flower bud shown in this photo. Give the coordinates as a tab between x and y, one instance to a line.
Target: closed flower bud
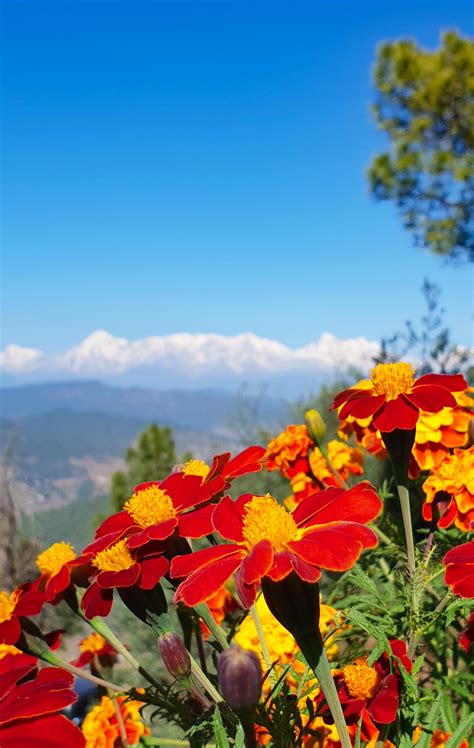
315	425
240	677
175	655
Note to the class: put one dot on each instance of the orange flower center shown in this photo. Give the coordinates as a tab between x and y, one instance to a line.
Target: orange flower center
150	506
196	467
392	379
93	643
8	604
52	560
115	558
266	519
362	681
9	649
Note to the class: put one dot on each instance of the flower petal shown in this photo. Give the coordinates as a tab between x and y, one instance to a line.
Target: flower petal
256	564
384	706
336	547
228	518
205	582
196	524
152	569
306	572
96	601
452	382
358	504
396	414
51	731
248	461
182	566
363	406
431	398
122	578
281	566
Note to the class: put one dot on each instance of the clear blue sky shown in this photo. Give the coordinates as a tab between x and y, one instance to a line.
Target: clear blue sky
199	167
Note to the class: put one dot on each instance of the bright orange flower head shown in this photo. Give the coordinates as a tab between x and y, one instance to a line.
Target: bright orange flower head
101	728
288	452
393	398
346	460
327	529
451	489
13	606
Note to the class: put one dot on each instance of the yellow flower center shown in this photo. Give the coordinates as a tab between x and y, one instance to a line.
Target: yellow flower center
266	519
52	560
93	643
115	558
150	506
196	467
8	604
392	379
361	680
8	649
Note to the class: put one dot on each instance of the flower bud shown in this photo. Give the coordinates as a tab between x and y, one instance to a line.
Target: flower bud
240	677
174	654
315	425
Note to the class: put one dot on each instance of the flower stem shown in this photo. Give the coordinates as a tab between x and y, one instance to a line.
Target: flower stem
263	643
404	497
322	671
52	659
323	449
99	625
203	612
204	681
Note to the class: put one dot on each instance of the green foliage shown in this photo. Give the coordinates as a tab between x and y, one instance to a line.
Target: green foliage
425	104
152	459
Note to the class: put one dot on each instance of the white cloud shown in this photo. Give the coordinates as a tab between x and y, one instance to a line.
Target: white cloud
245	355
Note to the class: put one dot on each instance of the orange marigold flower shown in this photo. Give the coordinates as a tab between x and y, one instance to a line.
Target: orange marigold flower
393	398
101	727
346	460
15	605
451	488
288	452
438	738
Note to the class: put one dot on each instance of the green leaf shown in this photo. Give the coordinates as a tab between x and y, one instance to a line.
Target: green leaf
462	732
219	731
433	716
239	740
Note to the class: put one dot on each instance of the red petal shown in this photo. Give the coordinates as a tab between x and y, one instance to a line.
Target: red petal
431	398
152	569
336	547
103	542
247	593
123	578
359	504
228	518
96	601
205	582
460	554
248	461
10	631
346	395
396	414
363	406
305	571
30	603
384	706
256	564
452	382
13	668
196	524
58	583
120	521
50	691
182	566
160	531
461	579
52	731
281	566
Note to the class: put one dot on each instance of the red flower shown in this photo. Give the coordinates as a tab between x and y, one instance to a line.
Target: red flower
21	602
117	566
393	398
466	640
29	702
325	530
372	689
58	565
459	562
93	646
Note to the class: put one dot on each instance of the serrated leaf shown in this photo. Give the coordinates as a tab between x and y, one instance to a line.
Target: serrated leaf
451	610
462	731
433	716
219	730
417	664
239	740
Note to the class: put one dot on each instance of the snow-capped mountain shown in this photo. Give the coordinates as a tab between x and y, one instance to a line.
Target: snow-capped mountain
190	359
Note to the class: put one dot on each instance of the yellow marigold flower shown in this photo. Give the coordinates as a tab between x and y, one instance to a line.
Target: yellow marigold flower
451	488
93	643
101	728
289	447
346	460
52	560
196	467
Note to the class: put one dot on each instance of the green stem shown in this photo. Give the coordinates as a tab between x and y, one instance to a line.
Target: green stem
203	612
204	681
263	643
404	497
56	661
99	625
322	448
322	671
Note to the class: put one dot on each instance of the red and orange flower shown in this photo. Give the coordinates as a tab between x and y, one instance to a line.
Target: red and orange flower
95	646
393	398
119	567
451	490
23	601
30	702
326	530
101	726
459	563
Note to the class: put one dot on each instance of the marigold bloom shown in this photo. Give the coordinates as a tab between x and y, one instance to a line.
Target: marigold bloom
325	530
95	645
118	566
452	485
459	562
393	398
288	452
21	602
346	460
101	727
375	688
29	702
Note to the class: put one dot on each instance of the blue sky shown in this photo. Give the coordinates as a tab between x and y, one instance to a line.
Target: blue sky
200	167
